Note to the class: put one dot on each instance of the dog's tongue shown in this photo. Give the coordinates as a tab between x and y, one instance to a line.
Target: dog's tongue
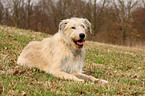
80	43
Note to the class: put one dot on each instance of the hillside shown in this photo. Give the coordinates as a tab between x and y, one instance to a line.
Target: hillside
123	67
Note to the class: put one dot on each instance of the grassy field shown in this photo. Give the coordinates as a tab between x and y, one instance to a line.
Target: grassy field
123	67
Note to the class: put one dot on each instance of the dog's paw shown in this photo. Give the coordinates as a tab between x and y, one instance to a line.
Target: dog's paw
80	80
104	81
99	80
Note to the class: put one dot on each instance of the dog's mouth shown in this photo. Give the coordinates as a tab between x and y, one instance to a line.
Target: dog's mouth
79	42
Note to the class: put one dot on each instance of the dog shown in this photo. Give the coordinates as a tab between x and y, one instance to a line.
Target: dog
61	55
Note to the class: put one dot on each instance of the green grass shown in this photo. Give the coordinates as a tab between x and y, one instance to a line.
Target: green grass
123	67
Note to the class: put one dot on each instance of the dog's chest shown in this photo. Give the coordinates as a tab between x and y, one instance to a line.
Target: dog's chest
72	64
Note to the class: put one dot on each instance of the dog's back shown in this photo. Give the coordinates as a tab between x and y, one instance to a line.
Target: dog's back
31	55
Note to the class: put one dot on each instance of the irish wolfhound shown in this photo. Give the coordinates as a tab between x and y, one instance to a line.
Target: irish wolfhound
61	55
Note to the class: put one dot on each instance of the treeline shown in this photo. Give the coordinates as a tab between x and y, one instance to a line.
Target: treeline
119	22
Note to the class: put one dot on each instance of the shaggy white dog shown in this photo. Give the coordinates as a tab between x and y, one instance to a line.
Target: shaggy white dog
61	55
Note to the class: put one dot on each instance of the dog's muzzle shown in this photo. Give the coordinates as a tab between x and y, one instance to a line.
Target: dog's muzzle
81	41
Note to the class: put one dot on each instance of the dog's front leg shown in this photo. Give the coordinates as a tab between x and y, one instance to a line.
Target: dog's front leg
86	77
64	75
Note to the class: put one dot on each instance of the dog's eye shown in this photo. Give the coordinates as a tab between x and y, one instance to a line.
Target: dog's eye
83	26
73	27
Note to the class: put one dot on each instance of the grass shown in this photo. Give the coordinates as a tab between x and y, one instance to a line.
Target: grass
123	67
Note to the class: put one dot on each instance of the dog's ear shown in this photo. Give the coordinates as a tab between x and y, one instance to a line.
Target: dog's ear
88	25
62	24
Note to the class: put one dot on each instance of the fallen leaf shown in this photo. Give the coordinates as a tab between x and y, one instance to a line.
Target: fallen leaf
122	88
60	89
129	67
13	60
23	93
81	92
134	76
10	36
119	93
96	81
140	68
1	90
16	72
88	72
34	70
31	84
23	71
17	66
5	42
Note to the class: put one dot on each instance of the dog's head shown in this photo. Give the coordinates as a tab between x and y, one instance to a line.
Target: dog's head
75	30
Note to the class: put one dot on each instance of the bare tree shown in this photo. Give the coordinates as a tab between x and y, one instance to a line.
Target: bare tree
142	3
113	21
29	5
16	9
97	14
1	11
139	22
123	13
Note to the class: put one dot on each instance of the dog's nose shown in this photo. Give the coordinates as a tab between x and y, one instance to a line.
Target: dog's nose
82	35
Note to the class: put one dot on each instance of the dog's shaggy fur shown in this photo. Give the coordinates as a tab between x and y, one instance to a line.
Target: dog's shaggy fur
61	55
